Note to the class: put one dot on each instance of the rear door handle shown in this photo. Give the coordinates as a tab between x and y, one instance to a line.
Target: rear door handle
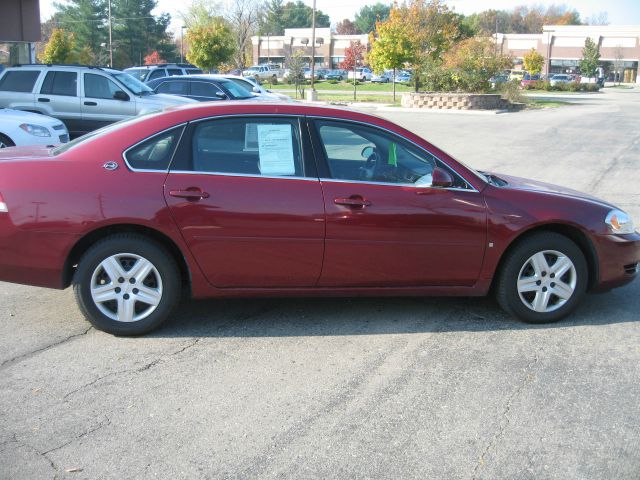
352	201
189	194
91	104
41	99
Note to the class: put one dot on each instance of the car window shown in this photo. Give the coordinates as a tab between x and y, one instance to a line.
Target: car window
174	88
356	152
239	93
158	73
248	86
192	71
155	153
205	89
60	83
248	146
97	86
137	73
19	81
174	71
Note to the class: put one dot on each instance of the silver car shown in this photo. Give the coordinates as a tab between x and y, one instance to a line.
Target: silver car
84	98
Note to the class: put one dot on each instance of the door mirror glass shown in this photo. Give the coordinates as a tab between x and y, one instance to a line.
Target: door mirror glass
120	95
256	90
441	178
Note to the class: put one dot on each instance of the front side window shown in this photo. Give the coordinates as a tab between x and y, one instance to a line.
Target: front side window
19	81
60	83
174	88
248	146
97	86
174	71
155	153
204	89
357	152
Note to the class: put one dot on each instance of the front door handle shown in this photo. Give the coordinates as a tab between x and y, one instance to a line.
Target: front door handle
42	99
191	193
352	201
91	104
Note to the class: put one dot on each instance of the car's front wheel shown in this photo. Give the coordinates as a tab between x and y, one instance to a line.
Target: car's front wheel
543	278
127	284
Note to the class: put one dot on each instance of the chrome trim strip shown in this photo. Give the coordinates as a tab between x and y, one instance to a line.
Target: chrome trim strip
391	184
471	187
124	154
246	175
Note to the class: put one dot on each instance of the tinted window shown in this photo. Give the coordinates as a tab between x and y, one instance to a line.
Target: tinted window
205	89
97	86
155	153
174	71
60	83
236	91
251	146
174	88
19	81
159	73
192	71
355	152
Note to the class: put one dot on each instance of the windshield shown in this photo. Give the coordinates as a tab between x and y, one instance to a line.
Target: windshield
238	92
133	84
137	73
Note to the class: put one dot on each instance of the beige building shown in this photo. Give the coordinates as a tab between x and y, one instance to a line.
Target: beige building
561	46
19	29
329	46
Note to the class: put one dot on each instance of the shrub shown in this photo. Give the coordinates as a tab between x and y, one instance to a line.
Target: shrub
333	81
511	91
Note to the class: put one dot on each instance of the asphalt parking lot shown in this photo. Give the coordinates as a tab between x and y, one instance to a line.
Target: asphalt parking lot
350	388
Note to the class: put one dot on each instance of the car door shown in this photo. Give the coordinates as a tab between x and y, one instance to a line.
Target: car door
386	226
59	98
99	105
248	205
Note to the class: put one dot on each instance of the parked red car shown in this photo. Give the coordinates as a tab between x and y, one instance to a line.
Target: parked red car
289	199
529	81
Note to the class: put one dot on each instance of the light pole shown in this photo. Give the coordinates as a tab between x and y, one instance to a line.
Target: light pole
313	48
182	43
110	42
268	47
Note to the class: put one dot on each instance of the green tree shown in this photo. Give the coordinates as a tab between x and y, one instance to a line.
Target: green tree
299	15
59	49
393	48
533	62
210	44
270	20
590	59
366	18
86	19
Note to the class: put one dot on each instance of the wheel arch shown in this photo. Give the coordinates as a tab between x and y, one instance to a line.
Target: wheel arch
82	245
573	233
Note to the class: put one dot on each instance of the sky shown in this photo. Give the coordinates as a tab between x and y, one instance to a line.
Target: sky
620	12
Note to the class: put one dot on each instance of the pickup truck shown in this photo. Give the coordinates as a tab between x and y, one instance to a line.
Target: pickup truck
263	72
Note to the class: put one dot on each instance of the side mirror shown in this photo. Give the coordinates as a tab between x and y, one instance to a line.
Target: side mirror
255	90
367	152
120	95
221	95
441	178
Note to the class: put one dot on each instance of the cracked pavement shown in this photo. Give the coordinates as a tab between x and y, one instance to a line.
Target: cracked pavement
349	388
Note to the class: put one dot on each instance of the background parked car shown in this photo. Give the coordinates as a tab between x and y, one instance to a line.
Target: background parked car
18	128
84	98
528	80
362	74
263	72
307	74
403	77
336	75
497	80
146	73
560	78
203	88
253	86
384	77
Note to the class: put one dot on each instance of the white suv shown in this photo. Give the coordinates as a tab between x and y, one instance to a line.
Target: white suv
84	98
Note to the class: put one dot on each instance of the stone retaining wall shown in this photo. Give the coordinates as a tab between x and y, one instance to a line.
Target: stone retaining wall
456	101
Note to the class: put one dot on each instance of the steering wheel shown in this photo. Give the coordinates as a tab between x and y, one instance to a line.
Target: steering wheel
367	172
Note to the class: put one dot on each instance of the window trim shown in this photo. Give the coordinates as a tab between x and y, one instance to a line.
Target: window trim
53	81
320	156
304	147
147	170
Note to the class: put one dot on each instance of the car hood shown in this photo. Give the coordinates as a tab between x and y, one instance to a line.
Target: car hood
30	152
163	99
20	116
519	183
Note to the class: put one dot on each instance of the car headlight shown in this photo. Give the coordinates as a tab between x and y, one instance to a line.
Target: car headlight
619	222
35	130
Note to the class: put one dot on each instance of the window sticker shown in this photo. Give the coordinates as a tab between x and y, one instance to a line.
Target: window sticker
275	148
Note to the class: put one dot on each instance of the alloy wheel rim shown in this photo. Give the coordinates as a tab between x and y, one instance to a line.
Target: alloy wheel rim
126	287
547	281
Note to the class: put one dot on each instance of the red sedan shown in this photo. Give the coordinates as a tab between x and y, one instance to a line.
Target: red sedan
288	199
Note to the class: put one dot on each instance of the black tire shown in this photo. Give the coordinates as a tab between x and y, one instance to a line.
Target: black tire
164	280
6	141
517	266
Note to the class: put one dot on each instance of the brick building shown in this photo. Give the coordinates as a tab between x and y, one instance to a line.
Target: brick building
561	46
329	46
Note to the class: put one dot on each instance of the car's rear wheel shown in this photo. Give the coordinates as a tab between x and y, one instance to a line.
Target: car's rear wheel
543	278
5	141
127	284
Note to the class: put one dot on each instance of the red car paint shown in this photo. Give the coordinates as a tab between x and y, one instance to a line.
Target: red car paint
258	236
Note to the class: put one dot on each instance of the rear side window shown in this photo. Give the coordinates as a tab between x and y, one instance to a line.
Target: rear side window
60	83
174	71
154	153
19	81
204	89
174	88
159	73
